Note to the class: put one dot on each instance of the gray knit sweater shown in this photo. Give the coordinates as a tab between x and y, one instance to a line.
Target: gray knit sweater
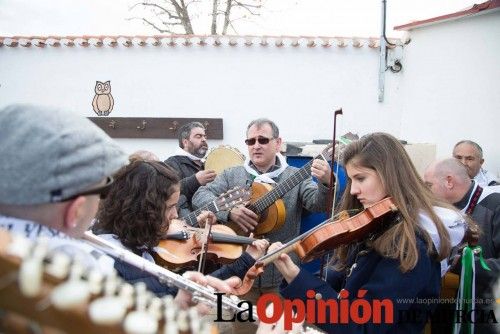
307	195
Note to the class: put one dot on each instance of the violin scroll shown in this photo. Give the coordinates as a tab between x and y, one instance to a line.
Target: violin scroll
248	280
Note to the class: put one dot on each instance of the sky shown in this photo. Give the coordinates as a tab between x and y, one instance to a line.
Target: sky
350	18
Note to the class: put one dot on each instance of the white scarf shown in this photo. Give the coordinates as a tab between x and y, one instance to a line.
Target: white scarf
30	229
180	151
266	177
59	241
454	224
484	178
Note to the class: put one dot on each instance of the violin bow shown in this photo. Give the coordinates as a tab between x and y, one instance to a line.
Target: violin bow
332	194
331	189
207	230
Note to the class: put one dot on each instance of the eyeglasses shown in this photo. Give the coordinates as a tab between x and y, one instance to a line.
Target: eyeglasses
261	140
102	191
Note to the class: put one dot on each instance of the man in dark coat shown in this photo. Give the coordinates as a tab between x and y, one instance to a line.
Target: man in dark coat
188	163
448	179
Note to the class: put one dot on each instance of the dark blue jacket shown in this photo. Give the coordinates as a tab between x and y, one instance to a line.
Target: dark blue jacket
132	274
382	279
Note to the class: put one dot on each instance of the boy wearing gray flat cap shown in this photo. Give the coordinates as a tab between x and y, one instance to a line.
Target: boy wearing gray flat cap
53	167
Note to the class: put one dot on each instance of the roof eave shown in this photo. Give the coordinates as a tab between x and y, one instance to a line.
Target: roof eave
477	9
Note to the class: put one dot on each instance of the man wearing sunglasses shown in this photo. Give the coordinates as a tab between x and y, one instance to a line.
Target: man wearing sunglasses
266	165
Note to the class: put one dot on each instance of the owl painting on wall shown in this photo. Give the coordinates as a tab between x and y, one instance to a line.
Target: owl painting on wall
103	100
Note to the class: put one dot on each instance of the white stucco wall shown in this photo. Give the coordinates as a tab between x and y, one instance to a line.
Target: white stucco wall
450	86
448	89
298	87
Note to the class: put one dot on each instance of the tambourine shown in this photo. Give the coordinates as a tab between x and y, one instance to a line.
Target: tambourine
223	157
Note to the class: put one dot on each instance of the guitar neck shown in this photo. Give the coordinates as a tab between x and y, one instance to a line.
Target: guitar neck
191	217
282	188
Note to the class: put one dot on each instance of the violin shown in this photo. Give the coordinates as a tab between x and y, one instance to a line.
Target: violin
326	237
184	244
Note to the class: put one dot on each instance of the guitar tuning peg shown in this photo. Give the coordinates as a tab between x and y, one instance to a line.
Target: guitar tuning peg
140	322
31	277
70	294
154	308
95	279
195	322
107	310
59	266
126	293
19	247
182	321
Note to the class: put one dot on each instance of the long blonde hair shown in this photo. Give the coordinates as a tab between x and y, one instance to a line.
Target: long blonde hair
385	155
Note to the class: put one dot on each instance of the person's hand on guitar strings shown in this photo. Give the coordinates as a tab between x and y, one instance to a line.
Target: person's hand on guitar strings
320	169
246	219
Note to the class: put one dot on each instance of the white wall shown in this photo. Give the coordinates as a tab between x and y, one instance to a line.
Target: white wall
450	77
298	87
450	86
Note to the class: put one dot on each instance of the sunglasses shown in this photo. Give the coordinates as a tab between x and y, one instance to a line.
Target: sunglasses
102	191
261	140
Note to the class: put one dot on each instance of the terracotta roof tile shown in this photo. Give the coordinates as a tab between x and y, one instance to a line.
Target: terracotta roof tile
188	41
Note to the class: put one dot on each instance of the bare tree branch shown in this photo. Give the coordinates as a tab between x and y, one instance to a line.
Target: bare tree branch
150	24
213	28
227	15
239	3
233	27
247	7
147	4
185	17
170	15
175	11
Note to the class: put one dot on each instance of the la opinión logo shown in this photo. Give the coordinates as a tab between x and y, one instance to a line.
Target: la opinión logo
312	310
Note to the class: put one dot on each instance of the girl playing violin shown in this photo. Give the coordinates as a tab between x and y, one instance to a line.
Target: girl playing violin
400	263
136	215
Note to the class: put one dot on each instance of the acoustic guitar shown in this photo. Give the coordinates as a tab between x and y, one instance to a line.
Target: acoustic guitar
266	201
53	290
226	201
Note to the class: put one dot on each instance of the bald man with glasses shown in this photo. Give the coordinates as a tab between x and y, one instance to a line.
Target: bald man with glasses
265	164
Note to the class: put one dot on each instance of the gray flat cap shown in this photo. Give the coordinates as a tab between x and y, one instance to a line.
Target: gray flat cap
47	154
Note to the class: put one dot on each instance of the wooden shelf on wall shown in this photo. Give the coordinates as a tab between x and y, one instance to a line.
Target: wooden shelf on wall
154	127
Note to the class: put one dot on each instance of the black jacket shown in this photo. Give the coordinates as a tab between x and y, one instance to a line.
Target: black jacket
487	215
186	169
133	275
